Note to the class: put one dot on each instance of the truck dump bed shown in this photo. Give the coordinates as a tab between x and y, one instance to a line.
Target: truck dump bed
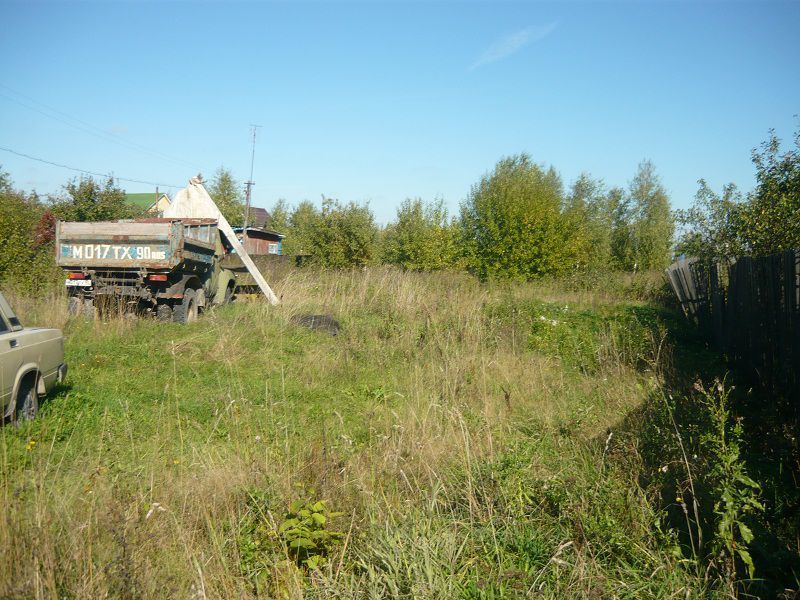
155	244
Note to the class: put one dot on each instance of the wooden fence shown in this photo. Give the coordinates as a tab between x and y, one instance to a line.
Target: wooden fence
750	310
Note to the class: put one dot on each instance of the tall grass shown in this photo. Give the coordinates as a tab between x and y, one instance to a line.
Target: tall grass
465	433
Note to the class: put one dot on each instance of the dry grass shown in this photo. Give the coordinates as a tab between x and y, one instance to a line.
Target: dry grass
447	442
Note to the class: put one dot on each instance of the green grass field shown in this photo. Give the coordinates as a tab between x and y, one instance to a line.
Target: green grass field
468	441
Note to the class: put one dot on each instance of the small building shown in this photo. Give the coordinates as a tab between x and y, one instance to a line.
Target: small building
258	217
259	241
153	203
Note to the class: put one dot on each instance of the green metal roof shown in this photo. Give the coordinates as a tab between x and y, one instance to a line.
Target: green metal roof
141	200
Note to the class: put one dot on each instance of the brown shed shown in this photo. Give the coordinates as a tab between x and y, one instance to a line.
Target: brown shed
259	241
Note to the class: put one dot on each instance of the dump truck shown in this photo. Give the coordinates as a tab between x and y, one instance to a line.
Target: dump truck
167	267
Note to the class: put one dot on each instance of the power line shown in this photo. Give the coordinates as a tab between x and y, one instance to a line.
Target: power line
108	137
87	172
88	128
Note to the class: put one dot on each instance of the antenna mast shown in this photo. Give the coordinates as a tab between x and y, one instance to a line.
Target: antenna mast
250	183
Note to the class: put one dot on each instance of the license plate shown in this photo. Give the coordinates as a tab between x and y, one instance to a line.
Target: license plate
79	283
113	252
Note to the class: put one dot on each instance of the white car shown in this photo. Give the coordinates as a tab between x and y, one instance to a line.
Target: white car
31	361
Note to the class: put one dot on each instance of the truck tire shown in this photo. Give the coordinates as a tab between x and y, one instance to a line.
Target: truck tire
89	309
80	306
228	294
74	305
27	404
164	312
186	310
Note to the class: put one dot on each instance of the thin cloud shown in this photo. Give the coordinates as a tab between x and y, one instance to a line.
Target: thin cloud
513	43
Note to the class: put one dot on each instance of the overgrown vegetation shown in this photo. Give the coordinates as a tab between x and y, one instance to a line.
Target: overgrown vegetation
25	251
423	238
721	227
480	441
27	226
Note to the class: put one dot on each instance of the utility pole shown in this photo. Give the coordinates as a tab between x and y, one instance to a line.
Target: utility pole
249	184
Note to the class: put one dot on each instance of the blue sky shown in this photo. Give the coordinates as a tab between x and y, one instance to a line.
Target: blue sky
380	101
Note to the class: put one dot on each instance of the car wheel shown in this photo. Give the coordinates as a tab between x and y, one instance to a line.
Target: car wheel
27	401
186	311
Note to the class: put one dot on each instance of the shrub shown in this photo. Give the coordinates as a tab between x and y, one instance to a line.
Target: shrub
422	238
512	223
27	258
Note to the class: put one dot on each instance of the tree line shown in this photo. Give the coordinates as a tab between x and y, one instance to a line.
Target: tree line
519	221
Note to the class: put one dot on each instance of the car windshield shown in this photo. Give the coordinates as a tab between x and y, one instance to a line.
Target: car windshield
9	314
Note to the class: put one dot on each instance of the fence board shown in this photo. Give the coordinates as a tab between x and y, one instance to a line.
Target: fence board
749	310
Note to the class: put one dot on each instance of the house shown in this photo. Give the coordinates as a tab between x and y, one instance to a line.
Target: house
259	217
259	241
149	202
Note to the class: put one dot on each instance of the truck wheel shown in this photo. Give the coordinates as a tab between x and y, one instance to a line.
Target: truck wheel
228	295
27	401
89	309
74	305
186	311
80	306
164	312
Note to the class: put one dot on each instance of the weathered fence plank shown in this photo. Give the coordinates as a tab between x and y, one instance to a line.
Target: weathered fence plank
749	310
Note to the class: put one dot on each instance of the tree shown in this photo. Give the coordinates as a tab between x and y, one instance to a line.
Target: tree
343	235
771	219
621	230
5	182
650	221
88	200
227	195
512	223
712	227
301	228
589	209
423	238
722	227
280	214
